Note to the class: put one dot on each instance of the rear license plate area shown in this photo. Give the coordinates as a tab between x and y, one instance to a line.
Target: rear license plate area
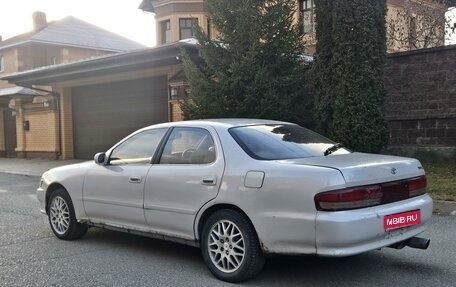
403	219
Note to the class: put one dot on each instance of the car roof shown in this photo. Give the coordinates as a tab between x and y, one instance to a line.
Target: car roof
222	123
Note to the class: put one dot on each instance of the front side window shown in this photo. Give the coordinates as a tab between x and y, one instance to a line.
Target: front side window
165	32
189	146
307	16
284	141
138	149
2	64
186	27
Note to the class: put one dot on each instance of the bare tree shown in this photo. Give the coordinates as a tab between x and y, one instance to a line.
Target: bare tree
418	24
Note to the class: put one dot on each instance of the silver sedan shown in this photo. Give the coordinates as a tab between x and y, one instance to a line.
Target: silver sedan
241	189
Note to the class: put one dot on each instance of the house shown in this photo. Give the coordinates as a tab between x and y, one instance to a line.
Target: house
95	103
409	24
48	44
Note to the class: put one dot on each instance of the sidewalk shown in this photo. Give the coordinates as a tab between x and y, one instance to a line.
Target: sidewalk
36	167
32	167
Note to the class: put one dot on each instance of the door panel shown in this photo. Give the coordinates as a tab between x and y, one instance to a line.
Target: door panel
178	186
114	194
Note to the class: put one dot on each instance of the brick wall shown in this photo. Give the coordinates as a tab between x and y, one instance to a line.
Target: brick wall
421	97
71	54
175	112
42	133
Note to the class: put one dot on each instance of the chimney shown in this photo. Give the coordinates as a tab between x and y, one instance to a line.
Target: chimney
39	20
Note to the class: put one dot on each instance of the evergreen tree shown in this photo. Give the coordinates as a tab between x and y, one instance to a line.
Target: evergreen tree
255	67
351	54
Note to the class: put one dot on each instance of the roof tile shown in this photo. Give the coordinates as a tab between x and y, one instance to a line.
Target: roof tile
71	31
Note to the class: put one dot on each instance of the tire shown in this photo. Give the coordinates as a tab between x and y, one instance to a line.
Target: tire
230	246
62	217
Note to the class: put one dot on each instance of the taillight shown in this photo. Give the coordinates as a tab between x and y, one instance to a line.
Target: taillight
370	195
417	186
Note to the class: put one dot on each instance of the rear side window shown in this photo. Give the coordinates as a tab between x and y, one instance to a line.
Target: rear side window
189	146
276	142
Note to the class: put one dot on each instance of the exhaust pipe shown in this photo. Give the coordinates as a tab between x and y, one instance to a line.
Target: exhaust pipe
414	242
418	242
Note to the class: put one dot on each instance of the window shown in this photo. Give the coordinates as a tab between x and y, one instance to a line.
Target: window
165	32
2	64
275	142
412	37
138	149
186	27
208	27
189	146
307	16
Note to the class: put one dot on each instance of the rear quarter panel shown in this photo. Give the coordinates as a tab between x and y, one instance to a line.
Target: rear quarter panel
282	210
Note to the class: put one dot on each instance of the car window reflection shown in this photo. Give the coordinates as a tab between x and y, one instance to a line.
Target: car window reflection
189	146
275	142
138	149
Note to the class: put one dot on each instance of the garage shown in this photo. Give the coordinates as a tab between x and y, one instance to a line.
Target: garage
99	101
103	114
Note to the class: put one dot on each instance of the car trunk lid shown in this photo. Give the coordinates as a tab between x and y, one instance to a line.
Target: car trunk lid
362	168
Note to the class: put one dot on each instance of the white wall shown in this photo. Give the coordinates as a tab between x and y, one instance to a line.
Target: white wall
450	37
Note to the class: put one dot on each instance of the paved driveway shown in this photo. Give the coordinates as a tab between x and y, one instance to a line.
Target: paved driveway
31	256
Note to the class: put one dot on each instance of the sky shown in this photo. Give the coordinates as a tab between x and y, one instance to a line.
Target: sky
119	16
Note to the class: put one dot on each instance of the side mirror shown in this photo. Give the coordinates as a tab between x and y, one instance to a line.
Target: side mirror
100	158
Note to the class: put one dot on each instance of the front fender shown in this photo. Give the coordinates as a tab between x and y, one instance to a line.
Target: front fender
69	177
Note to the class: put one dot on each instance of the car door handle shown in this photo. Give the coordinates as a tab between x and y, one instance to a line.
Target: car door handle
209	180
135	179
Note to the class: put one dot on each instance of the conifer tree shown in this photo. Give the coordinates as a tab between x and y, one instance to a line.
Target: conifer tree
350	59
254	68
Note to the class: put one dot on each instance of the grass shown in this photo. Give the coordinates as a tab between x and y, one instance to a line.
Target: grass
441	180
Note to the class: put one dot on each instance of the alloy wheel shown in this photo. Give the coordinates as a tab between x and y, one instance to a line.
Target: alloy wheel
226	246
59	215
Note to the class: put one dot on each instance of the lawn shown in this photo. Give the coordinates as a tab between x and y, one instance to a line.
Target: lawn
441	180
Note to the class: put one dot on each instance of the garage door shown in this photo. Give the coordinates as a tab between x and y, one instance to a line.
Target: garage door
104	114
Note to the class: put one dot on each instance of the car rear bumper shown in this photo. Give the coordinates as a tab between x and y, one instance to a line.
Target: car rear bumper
351	232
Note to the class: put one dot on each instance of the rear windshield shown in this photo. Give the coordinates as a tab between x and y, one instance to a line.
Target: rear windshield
285	141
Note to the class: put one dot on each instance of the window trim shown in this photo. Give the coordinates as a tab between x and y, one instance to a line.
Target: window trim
303	9
2	63
194	21
163	39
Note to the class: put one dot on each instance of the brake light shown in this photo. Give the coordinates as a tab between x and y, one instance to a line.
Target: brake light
417	186
370	195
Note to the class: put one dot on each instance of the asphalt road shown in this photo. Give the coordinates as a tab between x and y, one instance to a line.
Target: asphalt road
30	255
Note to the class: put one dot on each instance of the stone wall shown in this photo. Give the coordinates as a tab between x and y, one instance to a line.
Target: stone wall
421	97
